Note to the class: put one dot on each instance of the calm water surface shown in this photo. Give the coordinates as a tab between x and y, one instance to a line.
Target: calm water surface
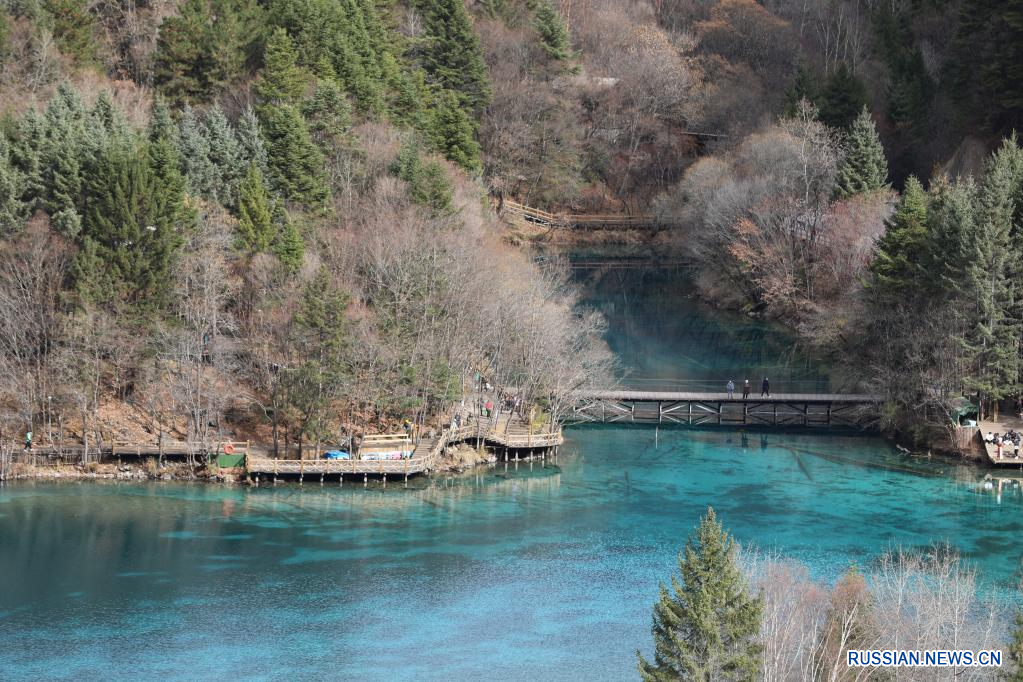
543	572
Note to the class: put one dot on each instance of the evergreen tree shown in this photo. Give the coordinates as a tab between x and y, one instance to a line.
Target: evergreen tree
706	627
452	132
295	163
181	53
428	183
453	57
205	47
995	338
803	87
5	38
289	247
226	156
73	27
255	217
842	99
135	223
194	153
1015	652
13	210
328	112
250	140
281	82
864	167
898	268
554	38
27	157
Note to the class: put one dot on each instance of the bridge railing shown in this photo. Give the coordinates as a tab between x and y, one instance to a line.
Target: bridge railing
641	383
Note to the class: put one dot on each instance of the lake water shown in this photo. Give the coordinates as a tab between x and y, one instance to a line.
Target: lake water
541	572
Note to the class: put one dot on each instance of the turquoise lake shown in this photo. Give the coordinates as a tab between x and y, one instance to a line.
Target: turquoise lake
518	572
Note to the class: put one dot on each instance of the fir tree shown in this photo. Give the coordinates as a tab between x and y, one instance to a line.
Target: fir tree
250	140
135	223
452	132
899	263
295	163
255	217
226	156
803	87
73	26
13	210
205	47
999	324
554	38
327	111
282	81
864	167
289	247
842	99
194	152
706	627
27	157
453	58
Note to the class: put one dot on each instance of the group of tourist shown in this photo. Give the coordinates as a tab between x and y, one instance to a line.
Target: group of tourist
1010	439
765	389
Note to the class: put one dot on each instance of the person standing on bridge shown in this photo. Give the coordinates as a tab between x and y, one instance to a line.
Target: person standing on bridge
765	388
731	389
745	390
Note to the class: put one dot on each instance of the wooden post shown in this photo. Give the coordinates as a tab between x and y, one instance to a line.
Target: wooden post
776	414
721	408
690	412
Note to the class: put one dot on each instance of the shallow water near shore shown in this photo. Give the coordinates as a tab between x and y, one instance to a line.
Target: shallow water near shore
542	571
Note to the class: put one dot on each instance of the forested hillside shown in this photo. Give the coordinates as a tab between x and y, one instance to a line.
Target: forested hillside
272	216
222	218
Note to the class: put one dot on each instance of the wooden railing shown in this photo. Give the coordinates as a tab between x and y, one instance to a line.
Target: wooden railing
578	221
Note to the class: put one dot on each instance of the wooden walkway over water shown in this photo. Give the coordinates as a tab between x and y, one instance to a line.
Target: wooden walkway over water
504	432
700	409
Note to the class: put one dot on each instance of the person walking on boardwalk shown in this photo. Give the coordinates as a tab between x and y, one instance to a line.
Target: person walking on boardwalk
731	389
28	440
765	388
745	389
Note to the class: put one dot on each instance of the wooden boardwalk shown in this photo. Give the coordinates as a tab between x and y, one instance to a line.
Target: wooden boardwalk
502	432
699	409
572	221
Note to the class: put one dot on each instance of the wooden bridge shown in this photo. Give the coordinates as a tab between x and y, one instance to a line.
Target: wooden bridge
700	409
570	221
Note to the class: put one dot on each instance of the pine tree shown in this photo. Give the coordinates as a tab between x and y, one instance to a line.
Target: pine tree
282	81
706	627
27	157
255	217
452	132
864	167
554	38
842	99
901	255
453	58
